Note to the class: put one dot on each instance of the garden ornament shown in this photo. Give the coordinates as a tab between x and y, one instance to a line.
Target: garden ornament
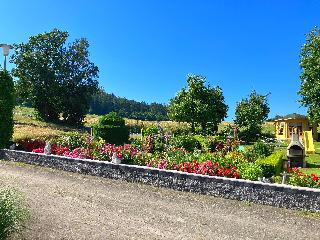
115	159
284	178
12	147
47	149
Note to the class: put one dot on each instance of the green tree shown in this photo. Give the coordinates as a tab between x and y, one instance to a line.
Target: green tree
199	105
6	108
78	82
55	77
250	115
310	75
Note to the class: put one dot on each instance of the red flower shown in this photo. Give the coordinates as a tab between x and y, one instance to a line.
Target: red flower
38	150
314	177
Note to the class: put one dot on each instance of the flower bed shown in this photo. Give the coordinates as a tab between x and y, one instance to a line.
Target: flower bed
230	164
298	178
221	159
173	159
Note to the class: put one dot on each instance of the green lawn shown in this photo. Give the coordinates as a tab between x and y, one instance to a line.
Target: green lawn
311	170
313	161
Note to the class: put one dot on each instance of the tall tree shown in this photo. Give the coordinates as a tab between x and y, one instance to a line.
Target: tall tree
6	108
55	77
199	105
78	81
310	75
250	115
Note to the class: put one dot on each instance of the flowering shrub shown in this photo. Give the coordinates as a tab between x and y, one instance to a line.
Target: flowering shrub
38	150
298	178
235	158
76	153
59	150
72	140
208	168
30	144
125	152
205	168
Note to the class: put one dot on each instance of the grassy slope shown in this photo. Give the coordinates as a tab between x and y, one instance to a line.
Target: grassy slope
26	125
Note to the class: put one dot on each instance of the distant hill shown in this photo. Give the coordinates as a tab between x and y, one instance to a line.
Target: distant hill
103	103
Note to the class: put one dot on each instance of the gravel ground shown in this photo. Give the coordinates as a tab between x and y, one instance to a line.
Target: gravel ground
73	206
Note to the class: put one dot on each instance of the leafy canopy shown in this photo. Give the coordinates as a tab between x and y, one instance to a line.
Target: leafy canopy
202	106
250	115
310	75
55	77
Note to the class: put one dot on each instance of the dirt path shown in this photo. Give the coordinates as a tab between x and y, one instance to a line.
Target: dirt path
73	206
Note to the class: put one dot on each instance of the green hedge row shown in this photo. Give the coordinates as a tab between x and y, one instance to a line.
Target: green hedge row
271	165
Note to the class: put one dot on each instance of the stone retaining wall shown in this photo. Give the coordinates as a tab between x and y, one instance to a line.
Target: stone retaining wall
270	194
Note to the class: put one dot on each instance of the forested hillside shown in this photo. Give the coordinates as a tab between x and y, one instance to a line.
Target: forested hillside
103	103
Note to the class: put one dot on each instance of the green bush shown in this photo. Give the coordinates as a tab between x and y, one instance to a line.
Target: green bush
188	142
207	143
13	212
136	143
227	132
159	144
112	129
261	149
271	165
152	130
250	171
235	158
213	157
249	135
6	108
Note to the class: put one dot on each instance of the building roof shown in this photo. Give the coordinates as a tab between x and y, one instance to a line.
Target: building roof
291	116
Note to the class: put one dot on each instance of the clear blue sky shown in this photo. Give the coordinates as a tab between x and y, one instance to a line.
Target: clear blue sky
145	48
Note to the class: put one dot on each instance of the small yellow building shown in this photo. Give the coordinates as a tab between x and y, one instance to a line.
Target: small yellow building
286	126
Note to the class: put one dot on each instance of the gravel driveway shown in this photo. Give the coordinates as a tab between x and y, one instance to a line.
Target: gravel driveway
73	206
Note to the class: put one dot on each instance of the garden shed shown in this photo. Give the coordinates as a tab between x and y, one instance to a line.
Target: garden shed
287	125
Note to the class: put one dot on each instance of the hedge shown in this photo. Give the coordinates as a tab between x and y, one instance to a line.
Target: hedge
271	165
112	129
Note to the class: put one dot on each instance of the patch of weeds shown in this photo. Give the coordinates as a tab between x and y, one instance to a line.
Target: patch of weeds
246	203
13	212
309	214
